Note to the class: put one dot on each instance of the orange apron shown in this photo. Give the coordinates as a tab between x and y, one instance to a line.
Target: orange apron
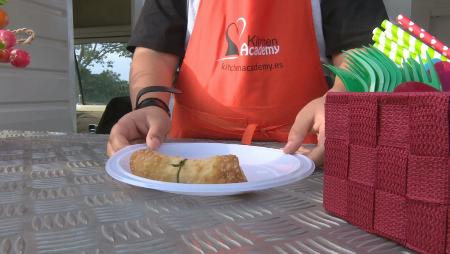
250	66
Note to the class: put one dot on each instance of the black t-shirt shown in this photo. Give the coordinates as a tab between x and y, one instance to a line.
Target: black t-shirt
346	24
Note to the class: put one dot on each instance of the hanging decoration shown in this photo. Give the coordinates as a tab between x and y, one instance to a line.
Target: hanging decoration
10	39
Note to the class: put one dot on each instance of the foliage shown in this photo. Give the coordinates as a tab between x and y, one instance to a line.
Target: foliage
102	87
95	53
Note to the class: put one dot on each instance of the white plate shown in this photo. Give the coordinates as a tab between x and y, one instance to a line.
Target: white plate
264	168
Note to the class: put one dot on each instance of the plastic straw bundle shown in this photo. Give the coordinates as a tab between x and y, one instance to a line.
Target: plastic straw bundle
398	44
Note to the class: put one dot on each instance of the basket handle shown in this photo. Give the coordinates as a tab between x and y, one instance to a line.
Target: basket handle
30	35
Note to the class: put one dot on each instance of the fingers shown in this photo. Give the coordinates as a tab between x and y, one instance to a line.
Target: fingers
317	153
113	146
299	130
148	125
128	130
109	150
305	150
117	139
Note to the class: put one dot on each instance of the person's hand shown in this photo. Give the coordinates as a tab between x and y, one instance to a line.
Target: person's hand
311	119
149	125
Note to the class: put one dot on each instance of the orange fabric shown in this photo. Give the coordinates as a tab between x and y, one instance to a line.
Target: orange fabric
250	66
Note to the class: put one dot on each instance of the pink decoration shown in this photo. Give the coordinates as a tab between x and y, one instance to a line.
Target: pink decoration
414	87
7	38
19	58
443	70
4	55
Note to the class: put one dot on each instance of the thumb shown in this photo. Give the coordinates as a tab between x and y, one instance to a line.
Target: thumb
153	142
155	136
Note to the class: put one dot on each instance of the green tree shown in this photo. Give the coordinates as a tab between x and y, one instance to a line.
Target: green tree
95	53
100	88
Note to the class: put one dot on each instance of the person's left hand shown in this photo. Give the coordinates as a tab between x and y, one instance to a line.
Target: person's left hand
311	119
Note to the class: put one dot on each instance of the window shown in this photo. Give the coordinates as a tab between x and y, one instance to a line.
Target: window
103	70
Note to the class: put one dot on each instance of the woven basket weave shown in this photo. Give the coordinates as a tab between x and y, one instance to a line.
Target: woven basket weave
387	165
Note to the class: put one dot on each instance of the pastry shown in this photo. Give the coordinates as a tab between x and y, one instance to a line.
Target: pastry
216	169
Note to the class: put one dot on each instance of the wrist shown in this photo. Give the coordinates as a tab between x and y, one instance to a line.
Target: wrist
165	97
153	102
142	102
338	86
152	92
338	90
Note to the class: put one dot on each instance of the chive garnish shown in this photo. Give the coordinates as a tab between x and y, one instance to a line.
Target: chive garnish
179	165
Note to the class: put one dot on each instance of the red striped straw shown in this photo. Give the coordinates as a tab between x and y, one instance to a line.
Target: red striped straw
422	35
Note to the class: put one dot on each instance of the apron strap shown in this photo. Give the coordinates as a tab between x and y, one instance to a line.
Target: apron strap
248	134
250	130
240	126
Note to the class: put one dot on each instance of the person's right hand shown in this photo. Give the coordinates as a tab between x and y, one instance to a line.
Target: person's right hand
149	124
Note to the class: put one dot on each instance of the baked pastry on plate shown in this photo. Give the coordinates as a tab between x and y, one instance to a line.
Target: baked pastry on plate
212	170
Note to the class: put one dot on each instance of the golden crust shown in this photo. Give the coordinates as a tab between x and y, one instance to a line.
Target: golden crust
216	169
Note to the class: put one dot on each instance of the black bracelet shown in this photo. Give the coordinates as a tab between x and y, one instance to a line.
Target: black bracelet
154	102
151	89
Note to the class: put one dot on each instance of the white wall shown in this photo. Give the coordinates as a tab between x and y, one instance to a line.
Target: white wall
440	20
40	97
395	7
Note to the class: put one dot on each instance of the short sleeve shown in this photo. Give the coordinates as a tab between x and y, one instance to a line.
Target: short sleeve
161	26
349	24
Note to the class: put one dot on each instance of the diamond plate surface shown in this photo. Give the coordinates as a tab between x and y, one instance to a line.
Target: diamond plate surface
55	197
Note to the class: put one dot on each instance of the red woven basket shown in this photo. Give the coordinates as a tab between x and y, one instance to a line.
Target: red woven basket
387	165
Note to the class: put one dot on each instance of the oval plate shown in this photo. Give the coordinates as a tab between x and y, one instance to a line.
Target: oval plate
264	168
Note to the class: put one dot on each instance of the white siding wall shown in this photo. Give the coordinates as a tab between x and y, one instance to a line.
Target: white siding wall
40	97
440	20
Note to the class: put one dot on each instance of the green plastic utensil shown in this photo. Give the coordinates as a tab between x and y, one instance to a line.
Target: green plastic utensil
414	69
379	74
395	73
382	85
435	81
406	72
426	79
355	67
371	72
352	82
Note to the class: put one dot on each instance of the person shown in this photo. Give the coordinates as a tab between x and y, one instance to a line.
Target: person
251	70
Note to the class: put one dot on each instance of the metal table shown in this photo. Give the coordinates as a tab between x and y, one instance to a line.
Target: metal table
55	197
